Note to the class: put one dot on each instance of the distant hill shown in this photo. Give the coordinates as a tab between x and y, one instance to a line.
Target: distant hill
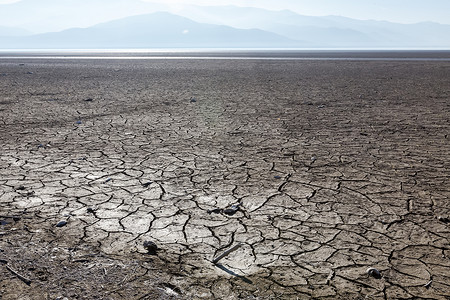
329	31
157	30
201	26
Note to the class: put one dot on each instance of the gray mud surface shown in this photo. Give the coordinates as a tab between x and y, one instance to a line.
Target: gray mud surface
338	166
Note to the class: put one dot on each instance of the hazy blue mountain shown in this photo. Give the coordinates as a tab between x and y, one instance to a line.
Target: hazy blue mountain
199	26
152	31
334	31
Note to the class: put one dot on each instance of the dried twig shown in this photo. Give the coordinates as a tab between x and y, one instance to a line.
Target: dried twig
21	277
226	253
330	277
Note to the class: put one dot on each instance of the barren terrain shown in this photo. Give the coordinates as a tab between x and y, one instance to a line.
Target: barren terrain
334	167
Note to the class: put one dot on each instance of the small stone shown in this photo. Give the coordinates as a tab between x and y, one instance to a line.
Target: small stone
108	180
5	222
20	188
147	184
428	284
90	210
214	210
150	247
443	219
30	73
374	273
78	122
277	177
232	210
193	99
61	223
89	100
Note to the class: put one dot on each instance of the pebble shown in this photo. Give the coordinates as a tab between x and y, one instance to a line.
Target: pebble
78	122
193	99
277	177
150	247
374	273
4	222
215	210
232	210
61	223
146	184
444	219
90	210
89	100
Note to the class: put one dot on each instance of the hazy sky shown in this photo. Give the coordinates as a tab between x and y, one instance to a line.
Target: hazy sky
403	11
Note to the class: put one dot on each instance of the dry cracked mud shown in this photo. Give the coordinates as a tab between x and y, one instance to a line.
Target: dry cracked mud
337	166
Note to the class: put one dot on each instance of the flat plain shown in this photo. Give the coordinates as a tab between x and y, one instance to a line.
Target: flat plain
334	167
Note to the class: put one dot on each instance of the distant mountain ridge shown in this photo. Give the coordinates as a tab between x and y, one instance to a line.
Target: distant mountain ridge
329	31
229	27
156	30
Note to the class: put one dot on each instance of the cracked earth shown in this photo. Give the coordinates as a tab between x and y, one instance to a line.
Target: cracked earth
333	167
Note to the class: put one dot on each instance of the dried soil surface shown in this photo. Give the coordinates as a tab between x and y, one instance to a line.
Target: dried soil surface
335	167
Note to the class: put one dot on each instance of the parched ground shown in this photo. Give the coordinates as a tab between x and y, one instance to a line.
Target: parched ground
338	166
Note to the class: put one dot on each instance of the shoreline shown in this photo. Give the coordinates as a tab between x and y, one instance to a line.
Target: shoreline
276	54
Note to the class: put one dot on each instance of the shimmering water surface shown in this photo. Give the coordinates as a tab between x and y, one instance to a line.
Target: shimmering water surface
226	54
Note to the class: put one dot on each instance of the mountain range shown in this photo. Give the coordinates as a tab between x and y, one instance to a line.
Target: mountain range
212	27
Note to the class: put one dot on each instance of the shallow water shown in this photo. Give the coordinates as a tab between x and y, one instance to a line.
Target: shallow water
227	54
